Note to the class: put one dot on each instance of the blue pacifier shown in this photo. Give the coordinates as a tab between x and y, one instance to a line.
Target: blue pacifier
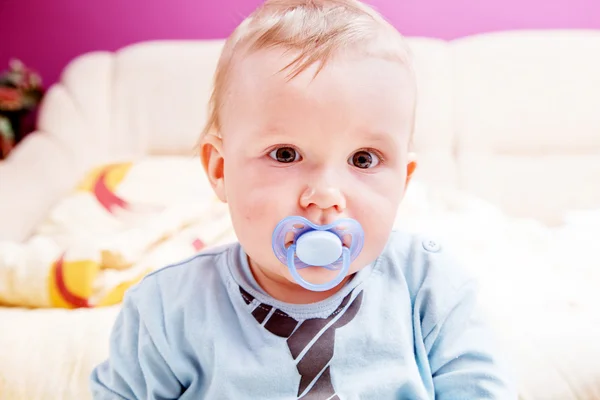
312	245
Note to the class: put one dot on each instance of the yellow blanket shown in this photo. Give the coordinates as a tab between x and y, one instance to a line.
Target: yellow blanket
121	222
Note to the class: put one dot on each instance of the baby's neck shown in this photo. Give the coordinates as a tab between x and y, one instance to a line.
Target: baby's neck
288	292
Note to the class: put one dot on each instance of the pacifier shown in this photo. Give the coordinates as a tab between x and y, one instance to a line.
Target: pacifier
298	243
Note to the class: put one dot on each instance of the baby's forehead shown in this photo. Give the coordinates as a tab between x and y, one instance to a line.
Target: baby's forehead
269	69
360	95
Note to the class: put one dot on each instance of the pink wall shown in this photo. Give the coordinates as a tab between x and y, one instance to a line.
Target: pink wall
46	34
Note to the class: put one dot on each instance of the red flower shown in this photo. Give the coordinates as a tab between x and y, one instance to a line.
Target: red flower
10	98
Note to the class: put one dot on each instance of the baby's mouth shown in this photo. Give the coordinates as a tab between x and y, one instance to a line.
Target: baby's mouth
299	243
346	239
289	239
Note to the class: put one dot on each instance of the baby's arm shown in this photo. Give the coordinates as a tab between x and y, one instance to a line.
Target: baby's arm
465	360
136	367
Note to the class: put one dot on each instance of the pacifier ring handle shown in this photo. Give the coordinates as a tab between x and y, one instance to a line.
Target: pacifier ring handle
291	253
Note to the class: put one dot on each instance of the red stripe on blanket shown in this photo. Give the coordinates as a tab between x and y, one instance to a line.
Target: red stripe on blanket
109	200
198	244
69	297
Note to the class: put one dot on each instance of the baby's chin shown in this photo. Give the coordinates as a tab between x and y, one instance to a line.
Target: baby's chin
315	275
276	271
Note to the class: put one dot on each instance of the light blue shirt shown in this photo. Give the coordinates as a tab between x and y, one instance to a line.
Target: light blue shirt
405	327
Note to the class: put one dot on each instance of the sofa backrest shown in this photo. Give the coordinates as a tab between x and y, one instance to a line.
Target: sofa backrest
512	117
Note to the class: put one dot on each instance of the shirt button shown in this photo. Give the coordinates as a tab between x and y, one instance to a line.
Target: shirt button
431	245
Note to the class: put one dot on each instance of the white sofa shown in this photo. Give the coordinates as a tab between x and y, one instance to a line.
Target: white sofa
510	120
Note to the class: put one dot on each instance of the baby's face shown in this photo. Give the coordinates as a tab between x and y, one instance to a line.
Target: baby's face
324	149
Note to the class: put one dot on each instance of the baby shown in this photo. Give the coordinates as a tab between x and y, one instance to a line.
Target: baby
308	141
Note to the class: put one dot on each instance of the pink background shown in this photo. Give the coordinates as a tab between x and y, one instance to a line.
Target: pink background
46	34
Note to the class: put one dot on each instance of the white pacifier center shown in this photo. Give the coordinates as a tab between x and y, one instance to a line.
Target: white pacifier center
319	248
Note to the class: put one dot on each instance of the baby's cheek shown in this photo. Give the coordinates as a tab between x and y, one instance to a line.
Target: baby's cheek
264	199
255	223
377	224
255	206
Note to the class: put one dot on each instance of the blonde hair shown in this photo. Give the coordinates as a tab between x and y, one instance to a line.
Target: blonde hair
315	29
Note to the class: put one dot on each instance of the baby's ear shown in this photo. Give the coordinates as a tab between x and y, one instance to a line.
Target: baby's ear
411	165
211	153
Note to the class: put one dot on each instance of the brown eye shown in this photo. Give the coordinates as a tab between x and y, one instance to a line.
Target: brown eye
284	155
363	159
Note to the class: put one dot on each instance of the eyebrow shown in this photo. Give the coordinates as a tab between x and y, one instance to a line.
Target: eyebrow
272	131
270	134
380	137
367	135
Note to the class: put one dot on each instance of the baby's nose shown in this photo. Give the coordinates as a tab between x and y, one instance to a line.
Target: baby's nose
324	198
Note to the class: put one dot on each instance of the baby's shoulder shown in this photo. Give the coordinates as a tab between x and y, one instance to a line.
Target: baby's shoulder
179	284
423	261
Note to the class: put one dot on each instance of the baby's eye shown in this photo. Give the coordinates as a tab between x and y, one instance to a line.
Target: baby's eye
364	159
285	155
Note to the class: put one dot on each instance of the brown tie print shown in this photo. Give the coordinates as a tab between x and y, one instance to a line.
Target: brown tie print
311	342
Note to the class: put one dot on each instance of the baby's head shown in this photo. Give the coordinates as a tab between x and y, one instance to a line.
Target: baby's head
312	115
